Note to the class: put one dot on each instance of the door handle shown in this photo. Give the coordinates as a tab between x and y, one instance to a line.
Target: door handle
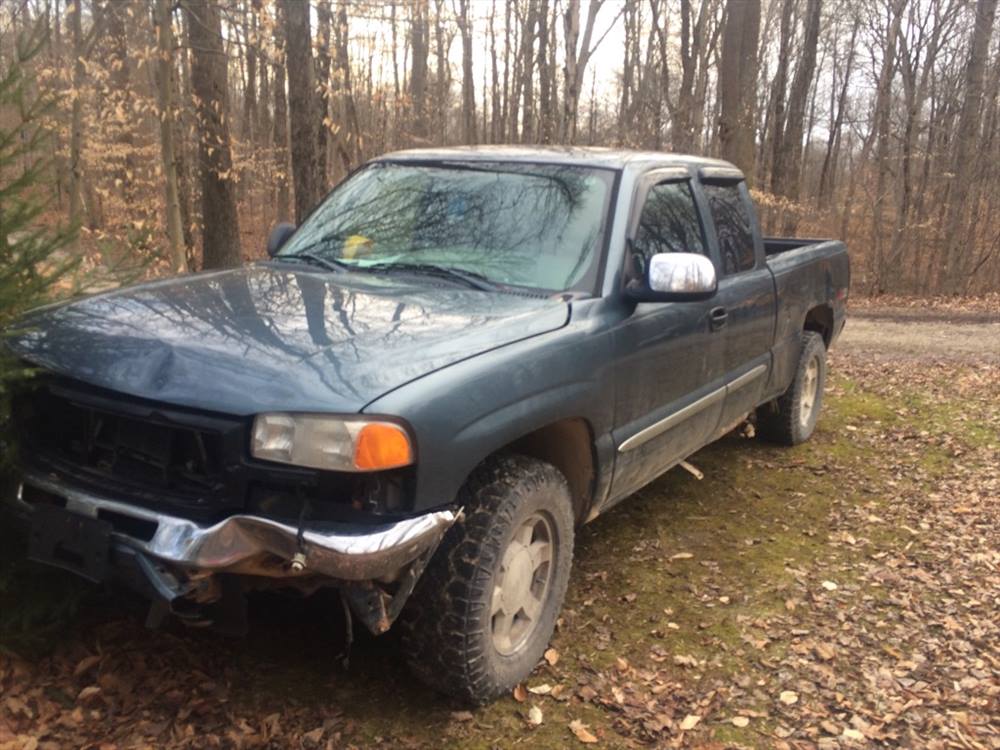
717	317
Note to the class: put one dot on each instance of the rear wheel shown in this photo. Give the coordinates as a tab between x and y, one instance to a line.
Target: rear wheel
791	418
486	606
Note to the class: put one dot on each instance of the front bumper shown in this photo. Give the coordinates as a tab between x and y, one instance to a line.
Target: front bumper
175	550
254	545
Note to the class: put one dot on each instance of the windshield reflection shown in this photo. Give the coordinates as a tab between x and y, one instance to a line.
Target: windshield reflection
533	225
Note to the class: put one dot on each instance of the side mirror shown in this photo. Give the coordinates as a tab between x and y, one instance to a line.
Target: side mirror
676	277
279	235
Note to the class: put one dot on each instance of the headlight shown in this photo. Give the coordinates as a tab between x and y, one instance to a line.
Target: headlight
334	443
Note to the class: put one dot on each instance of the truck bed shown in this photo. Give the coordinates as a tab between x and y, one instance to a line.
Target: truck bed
778	245
807	274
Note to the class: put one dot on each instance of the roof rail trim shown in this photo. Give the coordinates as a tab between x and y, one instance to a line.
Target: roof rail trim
723	174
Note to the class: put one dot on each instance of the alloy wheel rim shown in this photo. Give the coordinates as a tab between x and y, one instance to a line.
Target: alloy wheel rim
522	584
810	389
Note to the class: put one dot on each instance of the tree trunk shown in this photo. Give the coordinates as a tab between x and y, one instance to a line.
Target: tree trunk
468	84
301	107
545	130
788	158
324	16
528	74
776	136
75	166
828	173
738	82
162	22
966	137
220	227
578	52
283	198
496	124
419	34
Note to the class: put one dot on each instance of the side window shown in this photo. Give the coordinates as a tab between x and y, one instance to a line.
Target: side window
732	226
669	221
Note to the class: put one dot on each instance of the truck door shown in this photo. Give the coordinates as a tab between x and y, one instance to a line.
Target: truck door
744	308
668	384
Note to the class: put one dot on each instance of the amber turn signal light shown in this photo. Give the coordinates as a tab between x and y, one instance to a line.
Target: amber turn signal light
382	445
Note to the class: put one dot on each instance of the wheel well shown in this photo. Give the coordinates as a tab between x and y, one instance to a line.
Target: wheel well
820	320
567	445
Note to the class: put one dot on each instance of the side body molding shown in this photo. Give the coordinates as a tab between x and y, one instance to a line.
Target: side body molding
668	422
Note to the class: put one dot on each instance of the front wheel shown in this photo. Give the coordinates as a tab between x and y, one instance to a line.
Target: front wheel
485	608
791	418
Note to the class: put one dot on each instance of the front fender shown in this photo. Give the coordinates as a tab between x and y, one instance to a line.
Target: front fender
466	412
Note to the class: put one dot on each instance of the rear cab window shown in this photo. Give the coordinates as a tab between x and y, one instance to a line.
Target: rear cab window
733	226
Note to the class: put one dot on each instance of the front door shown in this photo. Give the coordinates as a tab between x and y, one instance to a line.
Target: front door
668	383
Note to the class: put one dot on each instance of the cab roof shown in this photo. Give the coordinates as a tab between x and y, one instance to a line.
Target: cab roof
587	156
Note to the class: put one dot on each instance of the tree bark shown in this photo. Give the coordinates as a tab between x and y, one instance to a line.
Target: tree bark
778	91
788	158
828	173
577	56
283	198
468	84
220	225
75	167
163	24
737	83
301	107
966	137
324	16
419	34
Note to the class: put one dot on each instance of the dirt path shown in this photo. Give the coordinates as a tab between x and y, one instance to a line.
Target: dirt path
840	594
937	335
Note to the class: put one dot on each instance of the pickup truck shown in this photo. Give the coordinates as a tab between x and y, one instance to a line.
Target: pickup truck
458	358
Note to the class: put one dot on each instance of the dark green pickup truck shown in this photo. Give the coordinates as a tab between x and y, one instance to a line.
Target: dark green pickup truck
458	358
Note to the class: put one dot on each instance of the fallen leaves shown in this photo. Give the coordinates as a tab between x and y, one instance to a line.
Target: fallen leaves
690	722
789	697
582	732
535	716
551	657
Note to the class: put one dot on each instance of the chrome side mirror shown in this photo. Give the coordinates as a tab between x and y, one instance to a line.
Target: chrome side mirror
676	277
279	235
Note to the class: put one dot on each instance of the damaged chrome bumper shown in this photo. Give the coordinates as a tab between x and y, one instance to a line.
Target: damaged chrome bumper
254	545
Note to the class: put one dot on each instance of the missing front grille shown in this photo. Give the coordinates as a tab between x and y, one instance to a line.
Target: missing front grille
139	528
37	496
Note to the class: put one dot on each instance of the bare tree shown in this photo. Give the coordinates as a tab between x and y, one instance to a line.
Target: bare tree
468	85
280	135
737	83
301	107
788	153
220	226
966	139
165	101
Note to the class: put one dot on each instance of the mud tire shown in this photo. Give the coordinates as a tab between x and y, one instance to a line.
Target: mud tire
446	626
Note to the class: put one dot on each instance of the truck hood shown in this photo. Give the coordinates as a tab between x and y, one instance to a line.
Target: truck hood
271	338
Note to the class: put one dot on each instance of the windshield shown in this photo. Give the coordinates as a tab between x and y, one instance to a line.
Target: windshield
533	225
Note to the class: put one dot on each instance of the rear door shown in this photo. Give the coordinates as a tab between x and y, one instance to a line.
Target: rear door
668	393
744	308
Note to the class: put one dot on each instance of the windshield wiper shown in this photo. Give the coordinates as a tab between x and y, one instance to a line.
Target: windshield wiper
330	264
469	278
